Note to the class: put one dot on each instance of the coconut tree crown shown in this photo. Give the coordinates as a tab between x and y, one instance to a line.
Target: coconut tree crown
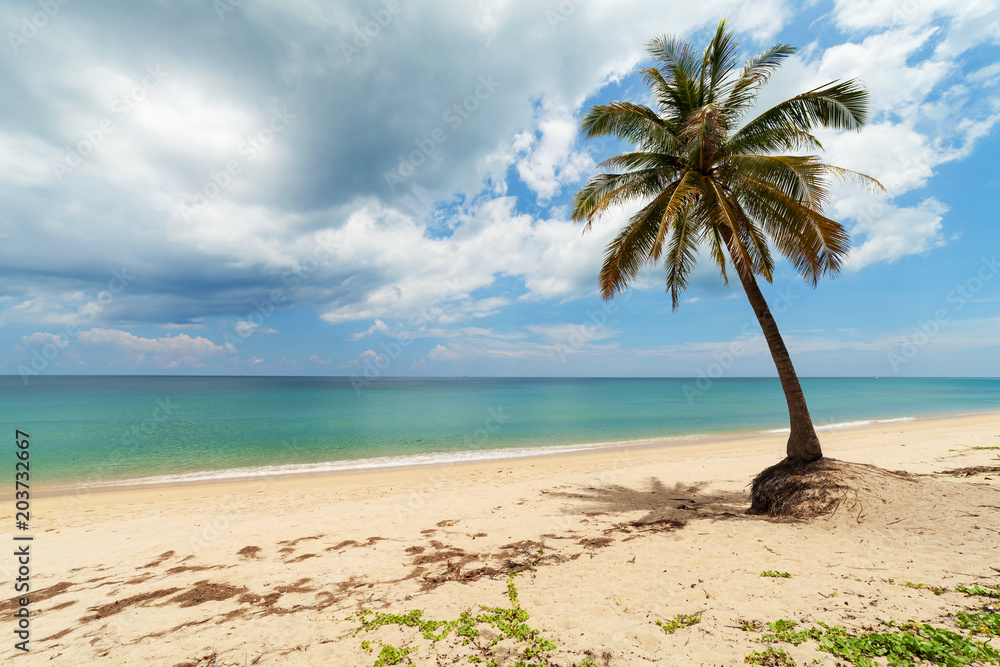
710	177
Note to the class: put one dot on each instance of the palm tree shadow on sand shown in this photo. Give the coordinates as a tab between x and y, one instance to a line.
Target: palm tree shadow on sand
666	507
824	488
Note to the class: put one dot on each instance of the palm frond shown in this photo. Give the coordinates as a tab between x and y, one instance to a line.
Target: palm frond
641	160
720	210
754	240
795	238
718	63
605	191
763	140
681	253
716	245
756	73
838	105
632	247
634	123
667	97
815	244
685	191
679	69
802	177
844	175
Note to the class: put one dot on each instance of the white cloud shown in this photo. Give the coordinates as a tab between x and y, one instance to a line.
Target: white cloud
897	155
571	333
41	338
36	306
181	351
373	357
246	328
988	75
442	353
894	233
378	327
926	112
869	14
552	162
489	333
425	280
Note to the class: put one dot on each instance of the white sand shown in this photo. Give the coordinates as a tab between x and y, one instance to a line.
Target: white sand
155	576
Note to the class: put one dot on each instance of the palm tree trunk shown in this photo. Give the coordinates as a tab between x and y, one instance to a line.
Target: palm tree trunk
803	443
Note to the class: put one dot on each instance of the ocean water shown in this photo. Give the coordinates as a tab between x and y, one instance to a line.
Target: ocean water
100	430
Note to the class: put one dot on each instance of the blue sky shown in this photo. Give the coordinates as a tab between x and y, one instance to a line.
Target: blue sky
348	188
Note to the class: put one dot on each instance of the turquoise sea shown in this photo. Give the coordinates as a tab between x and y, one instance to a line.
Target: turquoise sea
108	429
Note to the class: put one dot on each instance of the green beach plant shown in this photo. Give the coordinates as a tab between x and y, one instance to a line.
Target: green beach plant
770	656
707	177
677	622
937	590
390	655
902	644
783	630
979	622
506	623
989	592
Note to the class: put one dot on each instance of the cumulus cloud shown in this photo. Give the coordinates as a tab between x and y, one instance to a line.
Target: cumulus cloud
891	233
40	338
180	351
442	353
869	14
926	112
246	328
402	272
551	160
371	356
378	327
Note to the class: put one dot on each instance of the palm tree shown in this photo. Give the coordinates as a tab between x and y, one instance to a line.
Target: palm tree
708	179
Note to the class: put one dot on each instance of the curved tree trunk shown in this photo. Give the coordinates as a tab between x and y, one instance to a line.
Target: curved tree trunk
803	443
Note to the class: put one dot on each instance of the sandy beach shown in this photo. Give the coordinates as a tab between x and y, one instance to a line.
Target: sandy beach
608	544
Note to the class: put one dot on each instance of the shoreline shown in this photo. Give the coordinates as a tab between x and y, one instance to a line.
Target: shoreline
443	459
273	571
390	464
748	443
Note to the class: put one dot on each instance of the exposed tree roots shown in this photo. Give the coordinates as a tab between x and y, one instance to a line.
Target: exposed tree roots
802	490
